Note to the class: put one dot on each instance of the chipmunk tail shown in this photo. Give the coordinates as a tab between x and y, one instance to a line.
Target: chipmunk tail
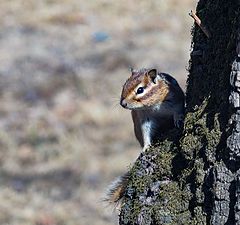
116	190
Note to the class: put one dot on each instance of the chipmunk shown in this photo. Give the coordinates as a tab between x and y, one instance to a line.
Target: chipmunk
156	101
157	104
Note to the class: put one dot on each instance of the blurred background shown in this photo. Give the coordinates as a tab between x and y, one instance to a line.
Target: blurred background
63	135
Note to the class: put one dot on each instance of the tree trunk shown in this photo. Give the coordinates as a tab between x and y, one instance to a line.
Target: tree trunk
193	176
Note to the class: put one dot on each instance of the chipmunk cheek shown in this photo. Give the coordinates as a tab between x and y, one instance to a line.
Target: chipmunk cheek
137	99
145	103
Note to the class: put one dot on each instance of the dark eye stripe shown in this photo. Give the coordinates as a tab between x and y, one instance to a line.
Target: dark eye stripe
140	90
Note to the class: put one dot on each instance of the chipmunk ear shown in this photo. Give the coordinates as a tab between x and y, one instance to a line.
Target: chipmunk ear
133	71
152	74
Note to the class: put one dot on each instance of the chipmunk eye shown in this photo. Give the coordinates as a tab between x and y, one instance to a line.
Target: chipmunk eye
140	90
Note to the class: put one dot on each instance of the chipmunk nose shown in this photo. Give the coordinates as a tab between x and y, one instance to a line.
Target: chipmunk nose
123	103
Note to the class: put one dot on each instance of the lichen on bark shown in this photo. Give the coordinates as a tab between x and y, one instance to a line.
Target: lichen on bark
153	195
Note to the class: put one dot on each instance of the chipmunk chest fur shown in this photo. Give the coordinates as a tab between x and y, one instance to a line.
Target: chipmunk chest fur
156	101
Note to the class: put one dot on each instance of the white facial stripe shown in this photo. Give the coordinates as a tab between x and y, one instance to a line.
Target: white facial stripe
146	89
140	85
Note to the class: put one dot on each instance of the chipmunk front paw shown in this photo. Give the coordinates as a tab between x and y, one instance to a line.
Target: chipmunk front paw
178	120
145	147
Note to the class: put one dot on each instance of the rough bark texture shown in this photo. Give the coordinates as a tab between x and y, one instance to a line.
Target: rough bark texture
193	177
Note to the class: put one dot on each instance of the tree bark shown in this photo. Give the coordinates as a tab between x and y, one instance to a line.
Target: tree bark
193	176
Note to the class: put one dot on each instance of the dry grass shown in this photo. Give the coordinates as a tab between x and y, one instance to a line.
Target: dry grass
63	137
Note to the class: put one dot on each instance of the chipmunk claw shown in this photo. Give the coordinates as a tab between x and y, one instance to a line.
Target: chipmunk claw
178	120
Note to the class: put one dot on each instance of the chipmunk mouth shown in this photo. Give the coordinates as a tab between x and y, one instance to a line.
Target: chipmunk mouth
126	105
131	106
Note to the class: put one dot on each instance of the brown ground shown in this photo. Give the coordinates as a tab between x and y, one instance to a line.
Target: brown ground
63	137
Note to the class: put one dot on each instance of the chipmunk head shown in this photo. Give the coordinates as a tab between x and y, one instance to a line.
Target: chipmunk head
144	89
